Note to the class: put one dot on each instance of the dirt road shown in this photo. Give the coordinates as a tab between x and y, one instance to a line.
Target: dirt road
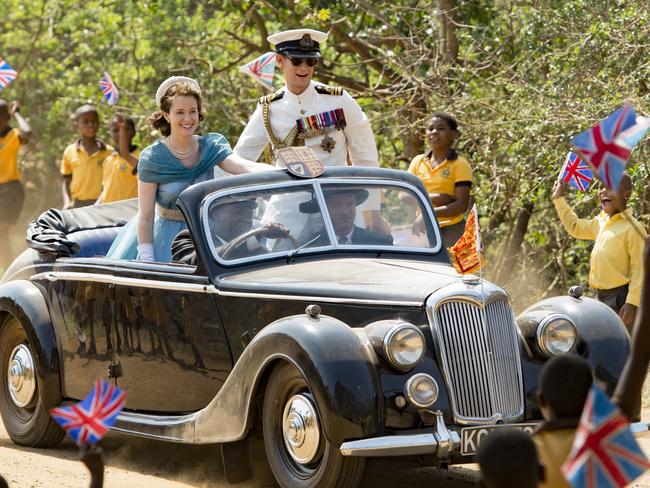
143	463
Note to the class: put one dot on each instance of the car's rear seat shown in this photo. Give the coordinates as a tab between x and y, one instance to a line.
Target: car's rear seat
93	242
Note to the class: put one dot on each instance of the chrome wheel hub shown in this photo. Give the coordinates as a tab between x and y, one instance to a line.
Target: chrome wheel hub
20	376
300	429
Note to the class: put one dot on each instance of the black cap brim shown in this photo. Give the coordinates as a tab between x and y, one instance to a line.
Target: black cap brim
294	53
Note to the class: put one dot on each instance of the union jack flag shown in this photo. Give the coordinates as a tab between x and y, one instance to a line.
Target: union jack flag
631	137
576	172
7	74
261	69
604	453
598	146
109	89
90	419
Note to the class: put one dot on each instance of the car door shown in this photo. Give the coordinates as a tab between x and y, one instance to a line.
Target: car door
80	294
170	346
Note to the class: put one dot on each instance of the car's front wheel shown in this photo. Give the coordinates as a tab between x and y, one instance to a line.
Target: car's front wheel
299	454
25	417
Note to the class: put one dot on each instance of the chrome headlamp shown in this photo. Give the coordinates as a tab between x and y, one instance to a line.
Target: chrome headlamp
556	334
404	346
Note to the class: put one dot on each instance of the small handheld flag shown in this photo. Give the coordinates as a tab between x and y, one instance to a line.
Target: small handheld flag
576	172
598	146
604	453
88	420
109	89
7	74
261	69
466	255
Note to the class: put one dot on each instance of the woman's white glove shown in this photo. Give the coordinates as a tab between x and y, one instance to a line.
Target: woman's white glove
145	252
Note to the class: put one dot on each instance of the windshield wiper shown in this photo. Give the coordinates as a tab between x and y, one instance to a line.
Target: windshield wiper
295	251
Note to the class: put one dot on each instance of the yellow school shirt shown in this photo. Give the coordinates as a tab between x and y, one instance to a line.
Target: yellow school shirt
617	256
86	170
442	179
118	180
553	448
9	147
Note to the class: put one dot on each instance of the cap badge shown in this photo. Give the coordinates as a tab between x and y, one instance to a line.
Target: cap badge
306	41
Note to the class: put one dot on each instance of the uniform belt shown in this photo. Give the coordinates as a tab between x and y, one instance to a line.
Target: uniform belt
169	213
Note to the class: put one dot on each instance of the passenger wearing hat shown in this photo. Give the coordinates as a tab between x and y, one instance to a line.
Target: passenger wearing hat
170	165
324	118
342	206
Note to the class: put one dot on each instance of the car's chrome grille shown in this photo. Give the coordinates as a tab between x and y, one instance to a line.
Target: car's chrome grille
480	355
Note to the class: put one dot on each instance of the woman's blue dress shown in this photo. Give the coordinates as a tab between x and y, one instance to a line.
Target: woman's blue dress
158	165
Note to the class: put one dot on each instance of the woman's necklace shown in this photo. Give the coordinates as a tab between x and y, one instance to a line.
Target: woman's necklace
179	153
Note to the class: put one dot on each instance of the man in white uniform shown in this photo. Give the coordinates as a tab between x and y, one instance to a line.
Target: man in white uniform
326	119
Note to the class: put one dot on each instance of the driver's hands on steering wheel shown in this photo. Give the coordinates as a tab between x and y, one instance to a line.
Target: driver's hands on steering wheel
274	230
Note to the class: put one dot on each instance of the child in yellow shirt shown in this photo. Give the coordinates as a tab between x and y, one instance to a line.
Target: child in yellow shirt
81	166
12	194
119	181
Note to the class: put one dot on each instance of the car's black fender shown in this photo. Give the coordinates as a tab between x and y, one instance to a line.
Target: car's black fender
603	340
25	301
338	366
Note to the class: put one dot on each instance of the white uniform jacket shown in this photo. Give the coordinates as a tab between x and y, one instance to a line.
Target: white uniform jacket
356	139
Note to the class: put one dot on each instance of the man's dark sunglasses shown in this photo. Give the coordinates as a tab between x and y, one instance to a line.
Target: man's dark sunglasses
298	61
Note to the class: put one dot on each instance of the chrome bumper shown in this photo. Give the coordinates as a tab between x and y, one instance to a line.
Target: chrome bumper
441	443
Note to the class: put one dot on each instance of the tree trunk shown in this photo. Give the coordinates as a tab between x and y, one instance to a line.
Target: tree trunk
448	17
513	249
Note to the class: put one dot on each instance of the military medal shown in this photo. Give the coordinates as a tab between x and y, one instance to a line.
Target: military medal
315	125
328	143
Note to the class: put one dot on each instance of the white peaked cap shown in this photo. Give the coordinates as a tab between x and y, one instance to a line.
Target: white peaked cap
296	35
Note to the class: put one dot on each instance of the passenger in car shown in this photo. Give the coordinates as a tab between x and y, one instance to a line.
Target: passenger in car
170	165
342	206
508	459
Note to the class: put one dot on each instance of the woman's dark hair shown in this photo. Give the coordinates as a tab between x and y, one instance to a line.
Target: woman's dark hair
182	88
452	155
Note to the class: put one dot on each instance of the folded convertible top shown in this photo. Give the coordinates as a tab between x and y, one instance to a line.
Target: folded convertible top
49	232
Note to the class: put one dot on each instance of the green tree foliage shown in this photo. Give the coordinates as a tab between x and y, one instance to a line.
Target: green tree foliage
521	76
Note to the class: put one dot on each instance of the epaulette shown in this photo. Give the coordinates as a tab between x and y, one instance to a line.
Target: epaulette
272	97
329	90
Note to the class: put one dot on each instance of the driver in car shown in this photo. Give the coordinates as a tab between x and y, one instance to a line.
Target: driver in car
235	233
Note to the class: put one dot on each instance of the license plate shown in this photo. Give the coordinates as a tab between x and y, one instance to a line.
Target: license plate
471	437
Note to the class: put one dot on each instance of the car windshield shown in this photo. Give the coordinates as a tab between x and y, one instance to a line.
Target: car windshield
317	216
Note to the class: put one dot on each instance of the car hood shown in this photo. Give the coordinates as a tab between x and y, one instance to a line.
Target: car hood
407	281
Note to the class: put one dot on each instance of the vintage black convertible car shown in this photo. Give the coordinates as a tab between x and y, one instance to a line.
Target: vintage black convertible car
290	324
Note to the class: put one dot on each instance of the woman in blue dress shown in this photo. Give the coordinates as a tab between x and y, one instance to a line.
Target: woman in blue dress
170	165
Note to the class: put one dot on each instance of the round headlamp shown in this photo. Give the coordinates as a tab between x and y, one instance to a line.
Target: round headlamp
404	346
421	390
556	334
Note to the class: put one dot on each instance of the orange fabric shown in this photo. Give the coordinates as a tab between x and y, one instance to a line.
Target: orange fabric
9	147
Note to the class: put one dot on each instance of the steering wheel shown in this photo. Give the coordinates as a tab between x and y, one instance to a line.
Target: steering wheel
270	231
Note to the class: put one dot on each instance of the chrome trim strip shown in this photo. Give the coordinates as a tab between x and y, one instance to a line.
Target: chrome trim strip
169	428
356	301
190	287
119	280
